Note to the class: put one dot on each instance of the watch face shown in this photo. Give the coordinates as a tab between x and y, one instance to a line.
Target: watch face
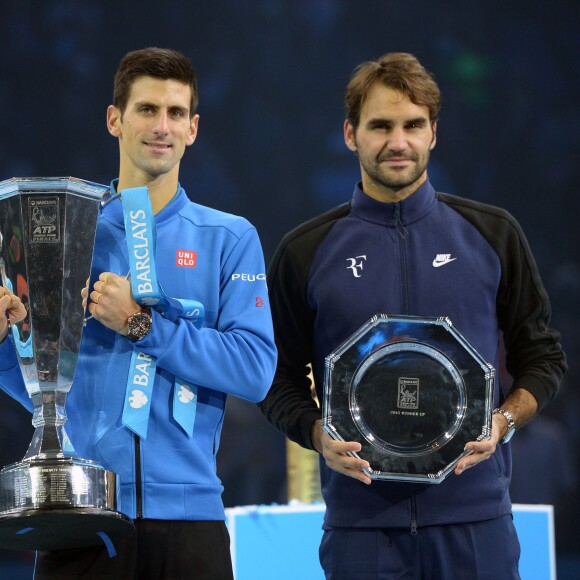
508	435
139	325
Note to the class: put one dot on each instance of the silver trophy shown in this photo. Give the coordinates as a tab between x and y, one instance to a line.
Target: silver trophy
413	391
52	499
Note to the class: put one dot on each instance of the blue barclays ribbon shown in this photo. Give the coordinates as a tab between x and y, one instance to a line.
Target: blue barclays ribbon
141	241
141	238
184	404
138	393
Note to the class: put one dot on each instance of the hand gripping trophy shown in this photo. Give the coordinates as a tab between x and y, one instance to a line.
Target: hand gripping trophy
52	499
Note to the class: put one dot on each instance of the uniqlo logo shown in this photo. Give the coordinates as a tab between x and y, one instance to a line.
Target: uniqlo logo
186	258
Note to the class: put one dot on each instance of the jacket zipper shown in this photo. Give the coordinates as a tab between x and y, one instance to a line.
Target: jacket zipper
138	482
413	514
402	231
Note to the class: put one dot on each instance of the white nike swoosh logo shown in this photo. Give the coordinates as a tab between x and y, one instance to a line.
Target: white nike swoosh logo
437	263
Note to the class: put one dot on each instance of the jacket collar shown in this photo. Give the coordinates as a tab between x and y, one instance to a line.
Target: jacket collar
410	209
113	211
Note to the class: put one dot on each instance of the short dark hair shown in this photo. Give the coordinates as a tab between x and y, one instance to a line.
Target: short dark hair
400	71
159	63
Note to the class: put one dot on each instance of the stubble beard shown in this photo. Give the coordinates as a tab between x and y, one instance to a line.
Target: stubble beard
155	167
389	179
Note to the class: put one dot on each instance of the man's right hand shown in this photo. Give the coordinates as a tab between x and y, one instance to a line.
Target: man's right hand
11	309
336	453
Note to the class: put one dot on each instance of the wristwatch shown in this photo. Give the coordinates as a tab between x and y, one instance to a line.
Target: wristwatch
139	324
511	424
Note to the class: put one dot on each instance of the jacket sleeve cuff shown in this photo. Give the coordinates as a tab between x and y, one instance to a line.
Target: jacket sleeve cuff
305	428
537	389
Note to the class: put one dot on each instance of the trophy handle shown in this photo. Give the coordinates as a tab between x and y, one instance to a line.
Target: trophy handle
108	197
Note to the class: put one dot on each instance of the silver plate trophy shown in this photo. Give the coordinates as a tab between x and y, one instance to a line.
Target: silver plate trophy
52	499
413	392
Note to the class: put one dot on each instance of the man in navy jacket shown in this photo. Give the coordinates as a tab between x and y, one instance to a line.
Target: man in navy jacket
399	247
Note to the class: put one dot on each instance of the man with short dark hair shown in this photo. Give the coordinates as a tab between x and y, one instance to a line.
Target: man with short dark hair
204	258
399	247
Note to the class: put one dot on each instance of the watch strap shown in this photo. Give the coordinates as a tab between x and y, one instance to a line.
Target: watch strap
510	421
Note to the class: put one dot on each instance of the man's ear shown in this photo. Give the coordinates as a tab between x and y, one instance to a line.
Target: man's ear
193	127
114	121
349	136
434	138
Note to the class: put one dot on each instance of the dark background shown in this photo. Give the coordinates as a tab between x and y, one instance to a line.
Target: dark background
271	77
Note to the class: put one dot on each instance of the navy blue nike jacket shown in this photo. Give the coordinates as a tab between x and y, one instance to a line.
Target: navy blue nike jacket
431	254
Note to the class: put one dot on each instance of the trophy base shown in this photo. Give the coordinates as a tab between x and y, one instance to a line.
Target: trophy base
53	529
59	503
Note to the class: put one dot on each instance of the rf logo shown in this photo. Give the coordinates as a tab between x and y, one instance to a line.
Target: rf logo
356	266
259	302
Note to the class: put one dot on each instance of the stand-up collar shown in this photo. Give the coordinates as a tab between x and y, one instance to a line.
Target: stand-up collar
412	208
113	211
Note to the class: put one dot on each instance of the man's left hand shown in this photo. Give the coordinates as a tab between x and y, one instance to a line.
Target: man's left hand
112	302
480	450
522	405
